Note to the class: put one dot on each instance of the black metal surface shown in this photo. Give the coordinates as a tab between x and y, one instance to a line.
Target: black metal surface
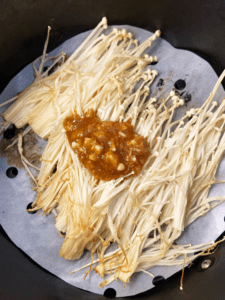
198	26
22	279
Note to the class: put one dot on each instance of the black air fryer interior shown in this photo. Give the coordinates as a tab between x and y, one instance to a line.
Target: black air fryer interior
198	26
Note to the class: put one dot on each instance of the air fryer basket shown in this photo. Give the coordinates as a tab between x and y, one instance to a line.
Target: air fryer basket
193	25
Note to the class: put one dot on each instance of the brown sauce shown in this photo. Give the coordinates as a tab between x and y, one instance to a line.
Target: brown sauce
109	150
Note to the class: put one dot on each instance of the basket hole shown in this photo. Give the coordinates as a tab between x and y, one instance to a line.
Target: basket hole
10	132
29	206
11	172
180	84
110	293
158	280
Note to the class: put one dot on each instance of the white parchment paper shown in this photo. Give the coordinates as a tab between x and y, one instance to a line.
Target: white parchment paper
37	236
